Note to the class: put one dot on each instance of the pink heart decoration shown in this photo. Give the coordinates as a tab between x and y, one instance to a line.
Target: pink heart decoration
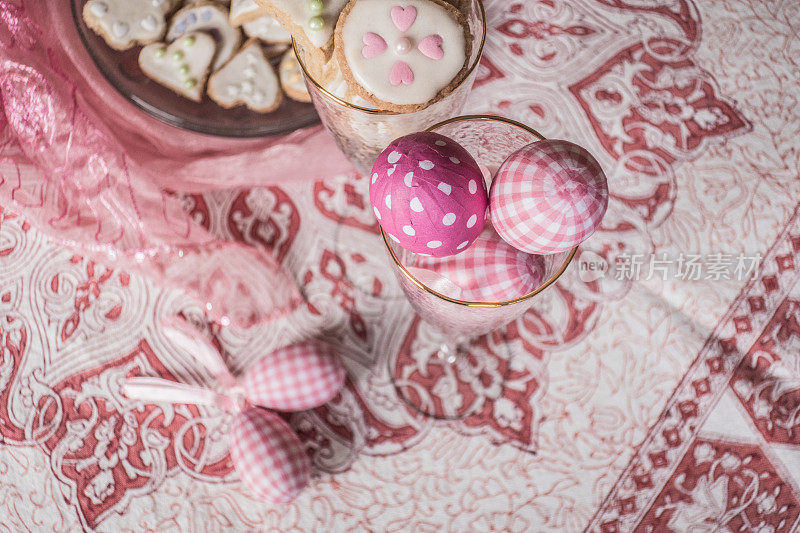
431	46
374	45
401	73
268	455
404	17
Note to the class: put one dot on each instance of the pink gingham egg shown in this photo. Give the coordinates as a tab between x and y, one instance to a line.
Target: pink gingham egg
489	271
428	194
295	378
548	197
268	455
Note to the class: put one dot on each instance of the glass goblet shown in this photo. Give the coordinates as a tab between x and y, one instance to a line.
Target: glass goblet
362	133
490	140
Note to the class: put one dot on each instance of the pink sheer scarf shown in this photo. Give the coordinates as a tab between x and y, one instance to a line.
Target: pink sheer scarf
90	170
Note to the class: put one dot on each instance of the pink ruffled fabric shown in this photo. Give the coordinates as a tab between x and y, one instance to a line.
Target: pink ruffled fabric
94	172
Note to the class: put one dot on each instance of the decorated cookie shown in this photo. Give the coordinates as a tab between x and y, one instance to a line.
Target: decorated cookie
548	197
247	79
311	22
182	66
207	17
428	194
292	77
489	270
402	55
242	11
126	23
267	29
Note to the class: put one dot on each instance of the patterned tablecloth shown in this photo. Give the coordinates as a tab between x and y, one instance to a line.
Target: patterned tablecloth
659	394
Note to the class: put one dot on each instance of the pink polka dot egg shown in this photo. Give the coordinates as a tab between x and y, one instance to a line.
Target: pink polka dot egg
428	194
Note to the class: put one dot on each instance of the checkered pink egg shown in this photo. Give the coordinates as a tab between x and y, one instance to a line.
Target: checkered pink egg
548	197
295	378
489	271
268	455
428	194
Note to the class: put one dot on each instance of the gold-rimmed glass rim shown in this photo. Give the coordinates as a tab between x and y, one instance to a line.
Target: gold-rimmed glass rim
466	303
345	103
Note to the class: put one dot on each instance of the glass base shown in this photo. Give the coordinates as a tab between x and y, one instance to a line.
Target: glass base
456	381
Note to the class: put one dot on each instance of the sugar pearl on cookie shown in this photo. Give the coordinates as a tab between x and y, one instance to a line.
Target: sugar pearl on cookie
315	7
316	23
423	199
548	197
403	45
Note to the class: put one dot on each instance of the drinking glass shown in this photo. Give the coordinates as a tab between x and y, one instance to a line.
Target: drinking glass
363	133
490	140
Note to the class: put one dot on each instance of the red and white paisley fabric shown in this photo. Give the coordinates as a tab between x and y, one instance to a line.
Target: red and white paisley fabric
612	405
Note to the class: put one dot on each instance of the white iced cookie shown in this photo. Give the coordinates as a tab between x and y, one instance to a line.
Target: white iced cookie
267	29
312	20
402	55
207	17
247	79
244	11
182	66
292	77
126	23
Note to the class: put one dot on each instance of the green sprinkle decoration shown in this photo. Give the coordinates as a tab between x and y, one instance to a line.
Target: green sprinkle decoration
316	23
184	69
177	55
191	83
315	7
189	41
161	52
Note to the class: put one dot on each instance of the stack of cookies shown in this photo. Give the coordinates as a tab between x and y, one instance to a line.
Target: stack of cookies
225	49
394	55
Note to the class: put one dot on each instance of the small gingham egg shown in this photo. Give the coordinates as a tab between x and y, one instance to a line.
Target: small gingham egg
268	455
548	197
489	271
428	194
295	378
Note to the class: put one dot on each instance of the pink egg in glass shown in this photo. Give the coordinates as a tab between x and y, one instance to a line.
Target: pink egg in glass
490	270
548	197
428	194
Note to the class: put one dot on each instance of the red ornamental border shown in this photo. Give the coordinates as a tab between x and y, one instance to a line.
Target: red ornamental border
702	386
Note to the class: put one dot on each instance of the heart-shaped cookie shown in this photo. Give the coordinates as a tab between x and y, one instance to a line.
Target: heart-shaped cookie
268	30
207	17
125	23
291	77
311	22
244	11
247	79
182	66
